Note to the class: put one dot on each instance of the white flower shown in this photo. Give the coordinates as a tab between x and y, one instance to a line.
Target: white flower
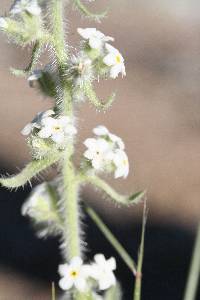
121	163
96	39
36	122
115	61
57	129
104	132
30	6
74	274
3	23
97	152
102	271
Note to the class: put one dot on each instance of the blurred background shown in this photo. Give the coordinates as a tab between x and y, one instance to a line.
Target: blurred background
156	112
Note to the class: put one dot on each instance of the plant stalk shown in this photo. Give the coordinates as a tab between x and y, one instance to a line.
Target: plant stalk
194	272
69	197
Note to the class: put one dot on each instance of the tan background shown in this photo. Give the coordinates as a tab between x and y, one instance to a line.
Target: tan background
157	110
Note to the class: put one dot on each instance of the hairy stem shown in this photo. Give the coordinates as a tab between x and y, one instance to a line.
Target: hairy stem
69	197
71	222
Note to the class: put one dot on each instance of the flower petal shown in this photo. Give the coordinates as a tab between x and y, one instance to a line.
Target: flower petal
66	283
101	130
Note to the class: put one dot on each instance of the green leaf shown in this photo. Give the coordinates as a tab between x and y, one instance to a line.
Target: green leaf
194	272
86	12
137	197
99	104
30	171
118	198
112	239
138	275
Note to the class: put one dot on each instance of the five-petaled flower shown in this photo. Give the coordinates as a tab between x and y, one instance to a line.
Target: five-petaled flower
57	129
102	271
96	39
29	6
74	274
115	61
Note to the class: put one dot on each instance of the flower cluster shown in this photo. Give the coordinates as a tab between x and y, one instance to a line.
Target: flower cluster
106	152
24	23
78	275
46	126
107	57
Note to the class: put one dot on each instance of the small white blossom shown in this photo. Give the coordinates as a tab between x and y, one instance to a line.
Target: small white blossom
74	274
115	61
106	152
30	6
96	38
104	132
57	129
36	122
3	23
102	271
97	152
121	163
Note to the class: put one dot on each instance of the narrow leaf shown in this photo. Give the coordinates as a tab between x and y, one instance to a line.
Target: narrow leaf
138	275
30	171
112	239
85	11
137	197
99	104
120	199
194	272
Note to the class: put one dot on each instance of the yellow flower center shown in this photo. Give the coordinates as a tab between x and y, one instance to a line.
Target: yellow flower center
74	273
125	162
57	128
118	59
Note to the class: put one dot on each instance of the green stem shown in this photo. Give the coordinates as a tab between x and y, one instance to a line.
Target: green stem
194	272
58	32
71	220
70	198
112	239
53	291
138	275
